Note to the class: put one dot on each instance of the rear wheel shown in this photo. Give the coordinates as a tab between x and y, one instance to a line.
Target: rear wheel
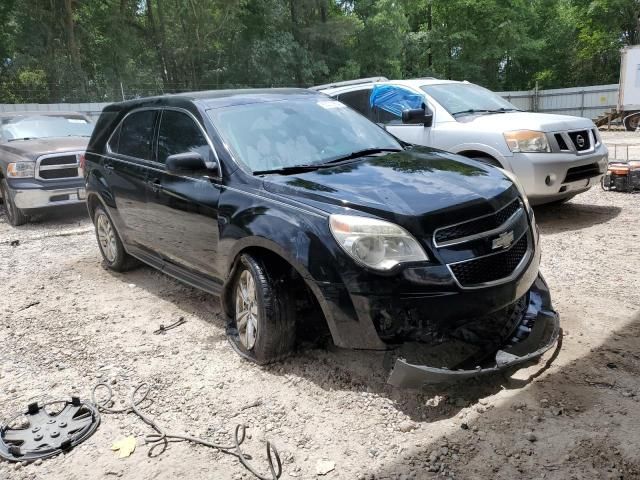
111	248
15	216
263	324
631	122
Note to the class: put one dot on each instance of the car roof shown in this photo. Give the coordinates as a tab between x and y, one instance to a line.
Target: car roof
41	113
220	98
353	85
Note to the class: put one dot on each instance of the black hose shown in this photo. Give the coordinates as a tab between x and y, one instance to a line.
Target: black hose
162	437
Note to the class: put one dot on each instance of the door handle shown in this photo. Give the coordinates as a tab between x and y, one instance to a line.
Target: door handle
154	185
108	166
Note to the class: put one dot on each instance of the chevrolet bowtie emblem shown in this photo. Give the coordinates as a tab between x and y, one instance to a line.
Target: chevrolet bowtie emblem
504	240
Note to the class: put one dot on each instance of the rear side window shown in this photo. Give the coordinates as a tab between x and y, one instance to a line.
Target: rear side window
135	135
179	133
358	100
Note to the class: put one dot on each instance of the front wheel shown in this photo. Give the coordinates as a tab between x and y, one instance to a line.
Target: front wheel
15	216
263	324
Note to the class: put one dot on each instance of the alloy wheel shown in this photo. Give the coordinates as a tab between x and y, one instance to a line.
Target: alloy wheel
106	238
247	310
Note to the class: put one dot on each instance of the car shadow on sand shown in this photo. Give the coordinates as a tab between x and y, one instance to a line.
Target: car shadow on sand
332	368
572	216
577	421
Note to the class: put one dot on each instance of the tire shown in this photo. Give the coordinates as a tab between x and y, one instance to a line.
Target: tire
113	253
15	216
267	333
631	121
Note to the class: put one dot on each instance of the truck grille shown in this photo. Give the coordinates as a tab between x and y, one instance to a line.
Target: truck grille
55	167
491	268
477	225
580	173
581	140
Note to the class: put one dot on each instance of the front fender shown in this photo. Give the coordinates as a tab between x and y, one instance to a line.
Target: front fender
487	149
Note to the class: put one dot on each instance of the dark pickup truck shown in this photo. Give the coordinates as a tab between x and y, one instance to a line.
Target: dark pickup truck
286	202
40	156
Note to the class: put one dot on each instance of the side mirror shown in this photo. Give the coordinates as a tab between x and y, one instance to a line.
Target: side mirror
417	116
187	162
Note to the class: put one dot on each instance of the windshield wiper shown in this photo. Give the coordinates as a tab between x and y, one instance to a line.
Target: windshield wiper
360	153
22	138
471	111
316	166
289	170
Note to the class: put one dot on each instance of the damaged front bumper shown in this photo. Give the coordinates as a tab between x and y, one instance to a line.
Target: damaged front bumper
544	331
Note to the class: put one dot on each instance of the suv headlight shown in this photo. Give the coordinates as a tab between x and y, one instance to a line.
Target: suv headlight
375	243
21	170
527	141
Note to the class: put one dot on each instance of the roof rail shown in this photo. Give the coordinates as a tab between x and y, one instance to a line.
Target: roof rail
349	82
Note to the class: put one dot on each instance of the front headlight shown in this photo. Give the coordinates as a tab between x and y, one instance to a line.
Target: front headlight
375	243
527	141
21	170
520	188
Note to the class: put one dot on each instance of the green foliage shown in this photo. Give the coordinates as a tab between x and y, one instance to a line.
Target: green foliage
78	50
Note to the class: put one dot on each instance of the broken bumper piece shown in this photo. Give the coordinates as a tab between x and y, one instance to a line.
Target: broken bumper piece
542	337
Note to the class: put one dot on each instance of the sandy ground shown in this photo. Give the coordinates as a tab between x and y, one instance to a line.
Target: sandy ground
66	324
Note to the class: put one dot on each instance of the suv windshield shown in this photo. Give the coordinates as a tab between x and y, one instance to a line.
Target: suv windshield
467	99
290	133
43	126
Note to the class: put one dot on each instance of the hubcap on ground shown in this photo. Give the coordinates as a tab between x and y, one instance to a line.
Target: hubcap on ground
247	310
106	237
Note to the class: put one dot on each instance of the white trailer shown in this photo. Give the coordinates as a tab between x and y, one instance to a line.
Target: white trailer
628	108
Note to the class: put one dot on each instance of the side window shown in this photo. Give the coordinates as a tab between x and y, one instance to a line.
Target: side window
178	133
136	135
358	100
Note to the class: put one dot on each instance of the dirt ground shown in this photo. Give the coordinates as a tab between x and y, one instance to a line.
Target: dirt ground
66	324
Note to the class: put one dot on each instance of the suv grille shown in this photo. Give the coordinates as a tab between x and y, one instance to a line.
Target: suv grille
580	173
478	225
57	167
581	140
492	267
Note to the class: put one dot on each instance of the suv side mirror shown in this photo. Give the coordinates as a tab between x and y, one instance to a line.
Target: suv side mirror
416	116
187	162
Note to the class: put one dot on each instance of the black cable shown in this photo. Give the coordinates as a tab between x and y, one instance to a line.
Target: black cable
162	437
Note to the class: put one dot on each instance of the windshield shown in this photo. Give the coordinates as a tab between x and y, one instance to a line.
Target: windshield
289	133
467	98
44	126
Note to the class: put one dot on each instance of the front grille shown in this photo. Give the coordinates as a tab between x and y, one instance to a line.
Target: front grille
61	160
492	267
580	173
581	140
55	167
478	225
61	173
561	143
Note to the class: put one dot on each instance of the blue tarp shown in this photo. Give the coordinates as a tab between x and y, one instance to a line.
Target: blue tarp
394	99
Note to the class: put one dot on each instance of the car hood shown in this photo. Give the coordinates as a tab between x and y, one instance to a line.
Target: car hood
419	188
32	149
526	121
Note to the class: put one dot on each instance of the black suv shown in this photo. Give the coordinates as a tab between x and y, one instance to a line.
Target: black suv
285	200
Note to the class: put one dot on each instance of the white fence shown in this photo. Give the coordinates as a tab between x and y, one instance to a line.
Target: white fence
587	102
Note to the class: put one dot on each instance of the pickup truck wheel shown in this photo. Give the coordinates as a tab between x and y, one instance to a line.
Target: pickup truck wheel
15	216
263	324
111	248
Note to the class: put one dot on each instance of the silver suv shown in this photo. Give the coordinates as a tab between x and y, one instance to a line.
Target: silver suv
555	157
